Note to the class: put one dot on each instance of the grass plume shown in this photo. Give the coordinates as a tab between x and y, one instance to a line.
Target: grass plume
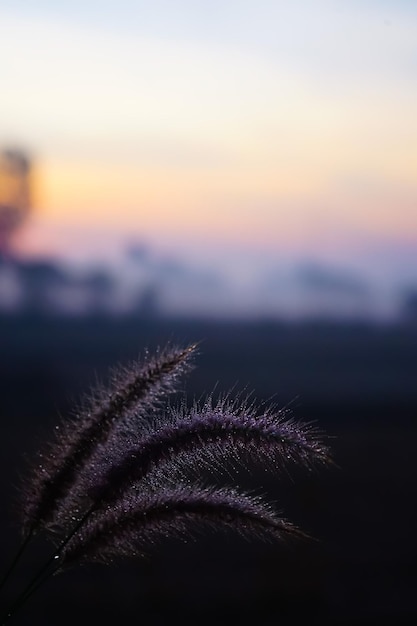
139	522
117	477
75	443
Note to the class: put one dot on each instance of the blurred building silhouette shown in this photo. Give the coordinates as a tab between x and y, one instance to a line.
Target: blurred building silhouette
15	194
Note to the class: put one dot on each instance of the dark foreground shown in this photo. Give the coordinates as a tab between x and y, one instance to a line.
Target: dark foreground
359	383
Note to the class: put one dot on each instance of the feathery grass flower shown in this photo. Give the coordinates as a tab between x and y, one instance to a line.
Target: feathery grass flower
124	472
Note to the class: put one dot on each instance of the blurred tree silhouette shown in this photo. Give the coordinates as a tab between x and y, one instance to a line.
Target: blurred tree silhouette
15	194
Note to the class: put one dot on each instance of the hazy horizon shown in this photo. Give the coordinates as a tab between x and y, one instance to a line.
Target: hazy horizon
276	132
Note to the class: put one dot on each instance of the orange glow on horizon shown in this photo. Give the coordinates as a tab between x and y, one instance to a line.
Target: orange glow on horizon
233	138
278	205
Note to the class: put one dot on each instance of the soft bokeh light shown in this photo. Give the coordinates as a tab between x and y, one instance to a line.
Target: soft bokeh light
217	130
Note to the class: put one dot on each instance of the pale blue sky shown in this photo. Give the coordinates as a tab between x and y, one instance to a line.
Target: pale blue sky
293	119
310	31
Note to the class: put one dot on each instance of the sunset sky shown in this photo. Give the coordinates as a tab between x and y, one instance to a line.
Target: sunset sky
275	127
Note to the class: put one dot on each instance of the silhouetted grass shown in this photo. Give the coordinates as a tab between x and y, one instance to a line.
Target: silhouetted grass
125	471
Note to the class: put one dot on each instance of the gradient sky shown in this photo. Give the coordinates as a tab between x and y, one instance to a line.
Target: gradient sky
278	127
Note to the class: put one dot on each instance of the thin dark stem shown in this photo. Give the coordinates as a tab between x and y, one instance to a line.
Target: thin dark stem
16	560
22	599
43	574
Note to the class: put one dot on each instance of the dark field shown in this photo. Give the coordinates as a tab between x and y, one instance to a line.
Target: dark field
358	382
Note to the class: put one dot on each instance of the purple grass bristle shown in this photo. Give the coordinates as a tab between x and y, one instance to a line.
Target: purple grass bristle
220	431
138	390
126	472
173	512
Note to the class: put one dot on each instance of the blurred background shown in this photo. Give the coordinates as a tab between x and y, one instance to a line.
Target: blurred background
242	173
